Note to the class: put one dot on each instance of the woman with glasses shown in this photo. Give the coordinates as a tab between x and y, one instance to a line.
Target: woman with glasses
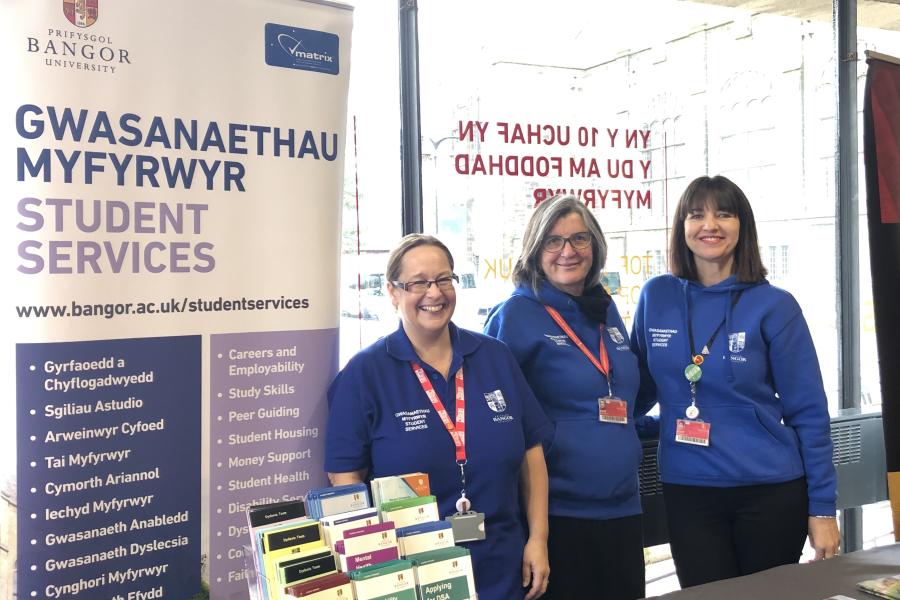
745	453
437	399
571	343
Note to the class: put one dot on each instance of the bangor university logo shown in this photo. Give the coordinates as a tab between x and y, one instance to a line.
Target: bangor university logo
736	341
81	13
495	401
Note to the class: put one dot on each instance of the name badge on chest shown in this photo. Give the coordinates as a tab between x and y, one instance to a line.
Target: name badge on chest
613	410
467	526
692	432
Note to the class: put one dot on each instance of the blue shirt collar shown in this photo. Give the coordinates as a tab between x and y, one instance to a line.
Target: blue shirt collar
463	342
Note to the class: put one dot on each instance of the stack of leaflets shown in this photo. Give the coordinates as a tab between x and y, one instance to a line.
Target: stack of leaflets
884	587
330	587
334	526
410	511
365	546
279	542
305	565
262	517
398	487
329	501
433	535
444	574
393	579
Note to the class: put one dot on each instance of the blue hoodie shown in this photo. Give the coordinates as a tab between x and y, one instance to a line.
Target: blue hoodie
592	465
761	388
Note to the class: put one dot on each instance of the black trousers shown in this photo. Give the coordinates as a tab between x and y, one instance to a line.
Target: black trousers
718	533
592	559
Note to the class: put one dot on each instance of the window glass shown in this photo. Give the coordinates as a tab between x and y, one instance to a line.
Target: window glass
624	105
372	195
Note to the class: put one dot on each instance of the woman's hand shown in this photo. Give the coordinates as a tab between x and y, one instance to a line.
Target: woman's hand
535	568
824	537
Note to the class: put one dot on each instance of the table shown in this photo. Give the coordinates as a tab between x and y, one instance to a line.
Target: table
809	581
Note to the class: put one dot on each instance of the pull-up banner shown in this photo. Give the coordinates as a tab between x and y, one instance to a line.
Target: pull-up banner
882	159
172	176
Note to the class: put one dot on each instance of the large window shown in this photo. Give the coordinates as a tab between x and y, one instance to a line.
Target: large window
655	93
624	105
371	216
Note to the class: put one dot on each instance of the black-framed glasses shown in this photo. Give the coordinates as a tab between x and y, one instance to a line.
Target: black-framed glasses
421	286
556	243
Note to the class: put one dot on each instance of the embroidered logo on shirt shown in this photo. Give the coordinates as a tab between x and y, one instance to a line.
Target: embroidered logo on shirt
616	335
559	340
495	401
413	420
659	338
736	341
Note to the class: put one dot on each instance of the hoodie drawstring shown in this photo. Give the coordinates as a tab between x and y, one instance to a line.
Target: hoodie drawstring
733	299
728	308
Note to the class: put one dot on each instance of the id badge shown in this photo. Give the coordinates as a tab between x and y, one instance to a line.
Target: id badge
467	526
613	410
692	432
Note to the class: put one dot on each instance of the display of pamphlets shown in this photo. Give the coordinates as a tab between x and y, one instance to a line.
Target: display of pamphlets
393	579
281	541
334	526
330	587
410	511
305	565
423	537
399	549
324	502
265	516
398	487
444	574
366	546
884	587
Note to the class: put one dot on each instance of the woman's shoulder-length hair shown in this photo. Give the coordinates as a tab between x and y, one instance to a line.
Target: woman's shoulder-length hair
721	194
527	271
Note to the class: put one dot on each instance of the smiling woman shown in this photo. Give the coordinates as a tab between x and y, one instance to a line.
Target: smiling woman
568	337
744	452
425	306
478	436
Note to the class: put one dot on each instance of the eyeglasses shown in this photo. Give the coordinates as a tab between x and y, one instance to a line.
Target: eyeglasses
556	243
422	285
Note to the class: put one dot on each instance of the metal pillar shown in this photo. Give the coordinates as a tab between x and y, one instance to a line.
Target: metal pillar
847	230
410	126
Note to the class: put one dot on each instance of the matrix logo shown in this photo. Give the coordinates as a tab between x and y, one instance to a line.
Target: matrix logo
304	49
81	13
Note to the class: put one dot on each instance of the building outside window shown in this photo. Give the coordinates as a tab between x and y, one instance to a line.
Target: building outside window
621	105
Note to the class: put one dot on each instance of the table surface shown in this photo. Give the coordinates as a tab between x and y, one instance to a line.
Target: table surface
810	581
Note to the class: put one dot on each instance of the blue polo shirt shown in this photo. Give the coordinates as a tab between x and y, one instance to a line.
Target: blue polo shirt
381	420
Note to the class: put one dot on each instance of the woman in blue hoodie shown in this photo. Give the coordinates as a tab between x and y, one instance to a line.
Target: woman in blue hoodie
570	341
745	448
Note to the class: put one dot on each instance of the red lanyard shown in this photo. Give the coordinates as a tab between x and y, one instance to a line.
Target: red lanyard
603	364
457	431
